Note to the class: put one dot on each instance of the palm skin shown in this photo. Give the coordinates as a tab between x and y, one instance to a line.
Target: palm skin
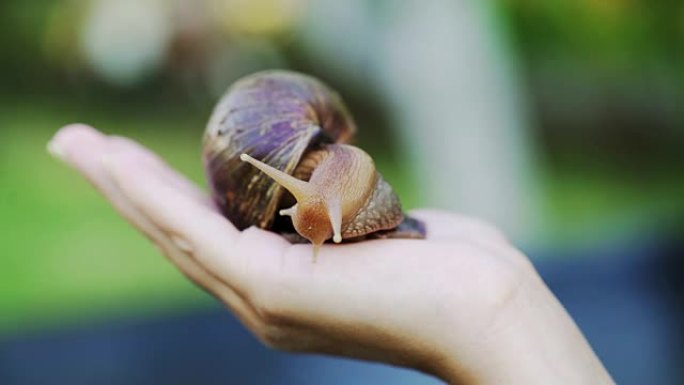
461	304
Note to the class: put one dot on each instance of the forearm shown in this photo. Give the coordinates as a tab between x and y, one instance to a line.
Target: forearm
532	340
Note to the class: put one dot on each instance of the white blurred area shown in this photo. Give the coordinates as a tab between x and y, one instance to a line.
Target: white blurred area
124	40
447	76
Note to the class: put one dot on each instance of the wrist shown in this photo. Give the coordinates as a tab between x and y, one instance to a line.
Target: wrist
528	339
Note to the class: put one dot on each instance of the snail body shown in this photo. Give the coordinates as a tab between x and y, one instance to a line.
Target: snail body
277	141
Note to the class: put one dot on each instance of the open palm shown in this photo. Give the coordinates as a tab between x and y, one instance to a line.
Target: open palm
431	304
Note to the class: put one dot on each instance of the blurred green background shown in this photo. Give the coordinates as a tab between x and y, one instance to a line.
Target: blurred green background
602	84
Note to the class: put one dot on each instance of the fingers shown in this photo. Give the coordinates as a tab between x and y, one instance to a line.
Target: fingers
82	148
448	226
127	163
194	228
176	208
119	144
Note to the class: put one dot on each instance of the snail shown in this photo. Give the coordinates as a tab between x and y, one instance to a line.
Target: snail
277	141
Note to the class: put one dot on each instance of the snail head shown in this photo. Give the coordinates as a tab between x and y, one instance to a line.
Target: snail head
315	216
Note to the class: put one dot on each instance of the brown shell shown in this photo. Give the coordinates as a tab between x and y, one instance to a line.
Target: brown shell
281	117
274	116
382	211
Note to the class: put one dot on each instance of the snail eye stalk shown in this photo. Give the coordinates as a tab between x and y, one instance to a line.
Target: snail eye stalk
298	188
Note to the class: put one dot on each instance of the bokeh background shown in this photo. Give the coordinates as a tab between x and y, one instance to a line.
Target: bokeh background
560	121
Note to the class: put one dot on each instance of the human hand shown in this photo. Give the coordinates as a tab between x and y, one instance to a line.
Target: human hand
463	304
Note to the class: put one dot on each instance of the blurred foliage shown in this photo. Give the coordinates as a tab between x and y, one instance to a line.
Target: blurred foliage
606	80
607	77
608	33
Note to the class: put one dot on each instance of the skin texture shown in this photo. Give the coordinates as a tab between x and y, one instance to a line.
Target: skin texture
463	305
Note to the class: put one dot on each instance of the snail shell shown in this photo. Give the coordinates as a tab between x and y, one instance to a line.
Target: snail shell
272	125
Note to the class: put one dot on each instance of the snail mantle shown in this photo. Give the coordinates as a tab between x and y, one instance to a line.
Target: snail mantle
276	144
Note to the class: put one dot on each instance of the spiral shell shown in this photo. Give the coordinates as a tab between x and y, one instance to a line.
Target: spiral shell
274	116
284	119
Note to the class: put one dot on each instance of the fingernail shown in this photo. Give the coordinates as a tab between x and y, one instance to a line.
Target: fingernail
54	149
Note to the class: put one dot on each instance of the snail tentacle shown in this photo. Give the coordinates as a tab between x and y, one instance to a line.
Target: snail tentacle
298	188
335	214
288	212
